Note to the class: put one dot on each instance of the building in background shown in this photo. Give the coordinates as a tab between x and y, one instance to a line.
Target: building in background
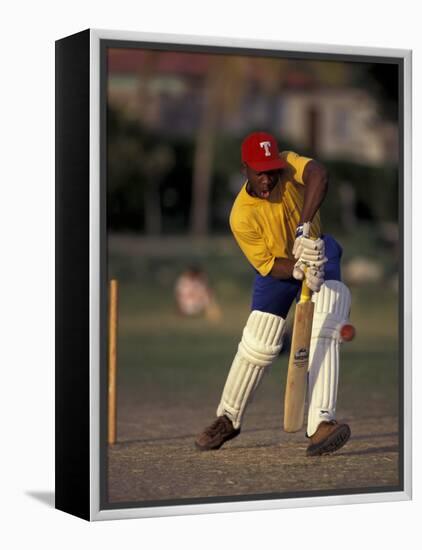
332	121
338	124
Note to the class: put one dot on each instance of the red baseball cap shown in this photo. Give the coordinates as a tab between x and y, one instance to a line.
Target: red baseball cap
260	152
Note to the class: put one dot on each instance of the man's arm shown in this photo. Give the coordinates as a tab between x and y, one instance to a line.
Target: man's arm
282	268
315	178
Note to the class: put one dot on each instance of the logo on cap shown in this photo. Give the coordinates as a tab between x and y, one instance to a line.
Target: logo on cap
266	145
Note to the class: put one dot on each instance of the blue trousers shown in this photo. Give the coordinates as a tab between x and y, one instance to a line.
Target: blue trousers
276	295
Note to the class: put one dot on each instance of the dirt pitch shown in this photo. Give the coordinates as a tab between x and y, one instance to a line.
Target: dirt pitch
163	464
171	371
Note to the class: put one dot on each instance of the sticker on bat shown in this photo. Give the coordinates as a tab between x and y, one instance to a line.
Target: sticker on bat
301	357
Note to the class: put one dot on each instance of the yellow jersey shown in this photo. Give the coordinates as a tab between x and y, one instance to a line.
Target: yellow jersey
265	228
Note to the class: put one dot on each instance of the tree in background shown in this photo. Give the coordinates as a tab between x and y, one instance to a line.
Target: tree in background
173	143
224	87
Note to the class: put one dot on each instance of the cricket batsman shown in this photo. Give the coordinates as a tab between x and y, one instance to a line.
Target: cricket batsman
276	222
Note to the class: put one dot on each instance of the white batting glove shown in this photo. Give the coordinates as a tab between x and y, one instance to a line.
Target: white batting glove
313	273
307	249
315	278
299	270
310	255
302	231
311	251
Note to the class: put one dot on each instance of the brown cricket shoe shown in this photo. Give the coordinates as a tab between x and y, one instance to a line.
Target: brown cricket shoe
213	437
328	438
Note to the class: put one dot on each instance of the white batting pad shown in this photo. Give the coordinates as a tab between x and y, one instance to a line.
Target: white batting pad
332	309
260	345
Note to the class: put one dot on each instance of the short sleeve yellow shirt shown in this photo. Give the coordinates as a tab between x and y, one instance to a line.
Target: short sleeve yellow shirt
265	228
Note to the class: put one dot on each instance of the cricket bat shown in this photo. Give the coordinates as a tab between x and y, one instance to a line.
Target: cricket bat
297	374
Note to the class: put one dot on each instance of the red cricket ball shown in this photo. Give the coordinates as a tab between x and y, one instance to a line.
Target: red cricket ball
347	333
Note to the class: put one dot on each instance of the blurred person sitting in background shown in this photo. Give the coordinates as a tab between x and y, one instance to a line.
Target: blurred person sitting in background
194	296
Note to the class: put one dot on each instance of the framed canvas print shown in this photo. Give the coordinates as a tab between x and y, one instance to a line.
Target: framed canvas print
233	288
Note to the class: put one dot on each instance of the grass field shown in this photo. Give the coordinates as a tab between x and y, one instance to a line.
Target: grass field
158	347
171	369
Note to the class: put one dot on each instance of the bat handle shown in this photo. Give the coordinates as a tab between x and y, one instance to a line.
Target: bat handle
305	293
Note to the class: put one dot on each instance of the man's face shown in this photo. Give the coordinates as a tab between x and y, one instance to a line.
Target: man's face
260	184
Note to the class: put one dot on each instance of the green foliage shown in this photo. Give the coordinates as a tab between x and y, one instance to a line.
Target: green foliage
376	193
131	147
